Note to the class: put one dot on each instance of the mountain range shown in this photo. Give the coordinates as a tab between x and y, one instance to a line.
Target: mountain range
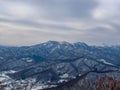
54	62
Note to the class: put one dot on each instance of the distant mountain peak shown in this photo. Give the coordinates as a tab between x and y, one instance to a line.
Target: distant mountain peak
80	44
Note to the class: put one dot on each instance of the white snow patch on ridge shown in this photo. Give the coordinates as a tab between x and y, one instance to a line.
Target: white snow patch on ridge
64	75
102	60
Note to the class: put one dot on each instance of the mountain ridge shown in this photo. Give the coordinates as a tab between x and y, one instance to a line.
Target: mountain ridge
54	62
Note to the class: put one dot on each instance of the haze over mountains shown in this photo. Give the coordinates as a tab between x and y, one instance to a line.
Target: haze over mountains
55	62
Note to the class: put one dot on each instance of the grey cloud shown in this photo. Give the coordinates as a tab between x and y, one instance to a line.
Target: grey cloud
69	20
66	9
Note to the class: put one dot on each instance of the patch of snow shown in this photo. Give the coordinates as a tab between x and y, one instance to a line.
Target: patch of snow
29	60
12	71
44	44
2	78
53	49
73	77
57	47
25	58
64	75
61	80
8	72
79	75
42	87
1	58
102	60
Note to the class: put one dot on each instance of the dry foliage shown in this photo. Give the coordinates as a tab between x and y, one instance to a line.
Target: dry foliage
108	83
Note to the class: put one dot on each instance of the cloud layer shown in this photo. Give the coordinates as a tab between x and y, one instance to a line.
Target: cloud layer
27	22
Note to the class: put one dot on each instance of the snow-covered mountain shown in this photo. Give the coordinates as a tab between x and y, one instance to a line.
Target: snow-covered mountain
56	62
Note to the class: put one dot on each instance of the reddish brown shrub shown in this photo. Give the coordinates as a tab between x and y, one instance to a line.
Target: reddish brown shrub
108	83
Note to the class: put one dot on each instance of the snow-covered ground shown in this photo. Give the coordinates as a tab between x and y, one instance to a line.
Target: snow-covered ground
28	84
42	87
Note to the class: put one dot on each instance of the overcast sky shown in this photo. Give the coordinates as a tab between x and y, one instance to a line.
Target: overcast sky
28	22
